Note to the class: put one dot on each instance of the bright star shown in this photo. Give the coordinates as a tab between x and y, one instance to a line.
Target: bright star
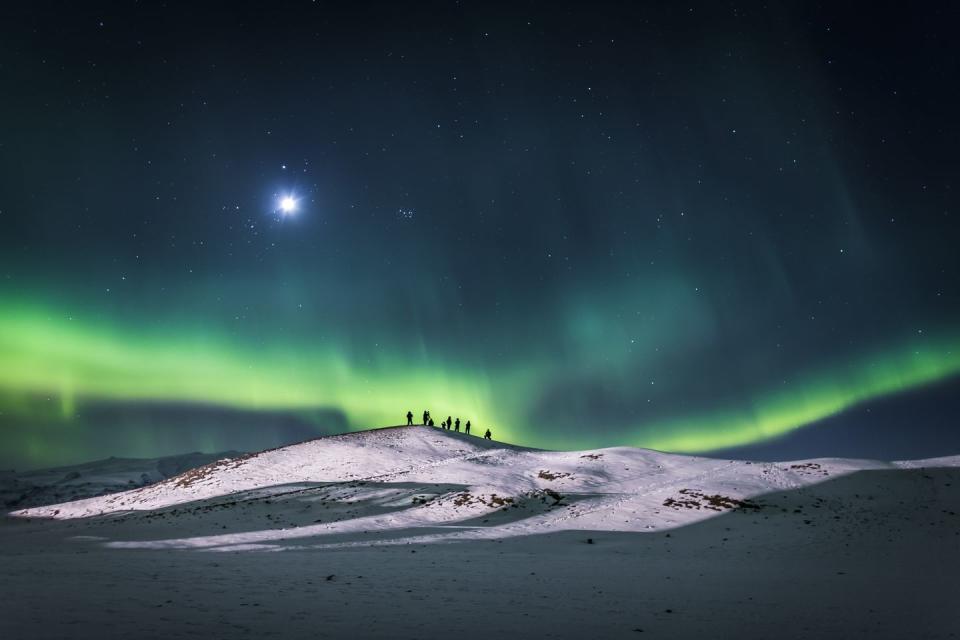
288	204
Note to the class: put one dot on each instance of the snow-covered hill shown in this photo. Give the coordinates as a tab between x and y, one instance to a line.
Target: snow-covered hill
415	532
398	481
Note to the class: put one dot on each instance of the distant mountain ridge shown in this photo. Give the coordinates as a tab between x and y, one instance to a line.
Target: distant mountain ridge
19	490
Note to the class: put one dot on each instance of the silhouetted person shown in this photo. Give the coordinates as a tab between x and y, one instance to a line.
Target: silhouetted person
449	423
456	425
409	418
426	417
431	422
488	435
466	428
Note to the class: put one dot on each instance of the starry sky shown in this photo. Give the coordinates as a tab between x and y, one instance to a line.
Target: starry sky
698	227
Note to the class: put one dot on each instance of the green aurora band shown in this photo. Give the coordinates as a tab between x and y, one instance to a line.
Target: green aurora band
50	354
44	353
809	400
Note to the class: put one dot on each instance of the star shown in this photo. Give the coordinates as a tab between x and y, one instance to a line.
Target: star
288	205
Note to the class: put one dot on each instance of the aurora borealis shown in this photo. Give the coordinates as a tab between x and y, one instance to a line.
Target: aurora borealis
581	226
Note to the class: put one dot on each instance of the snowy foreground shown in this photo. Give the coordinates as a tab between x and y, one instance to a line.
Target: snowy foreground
414	532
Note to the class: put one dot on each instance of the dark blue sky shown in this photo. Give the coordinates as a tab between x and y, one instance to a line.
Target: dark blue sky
686	227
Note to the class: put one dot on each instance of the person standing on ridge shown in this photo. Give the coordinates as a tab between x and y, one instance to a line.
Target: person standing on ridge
457	425
466	428
449	423
426	417
488	435
409	418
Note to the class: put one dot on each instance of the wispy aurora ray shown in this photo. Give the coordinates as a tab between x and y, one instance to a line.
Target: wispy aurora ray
47	353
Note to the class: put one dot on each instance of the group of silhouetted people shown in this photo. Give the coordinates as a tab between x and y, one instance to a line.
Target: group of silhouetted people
447	424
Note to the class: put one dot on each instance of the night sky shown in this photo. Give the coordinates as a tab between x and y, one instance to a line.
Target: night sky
692	228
